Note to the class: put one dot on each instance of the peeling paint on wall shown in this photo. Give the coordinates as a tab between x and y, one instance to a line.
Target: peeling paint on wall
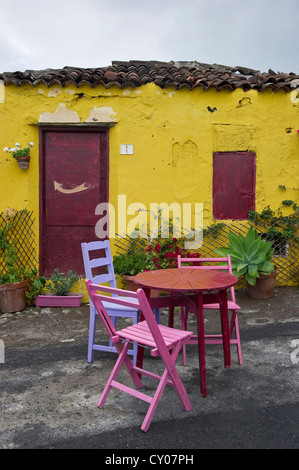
54	91
2	92
295	96
62	115
103	114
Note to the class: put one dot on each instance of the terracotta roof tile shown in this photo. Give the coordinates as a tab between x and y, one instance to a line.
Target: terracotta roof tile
164	74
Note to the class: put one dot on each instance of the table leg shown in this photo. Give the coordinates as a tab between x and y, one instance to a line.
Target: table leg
171	317
201	346
225	327
140	349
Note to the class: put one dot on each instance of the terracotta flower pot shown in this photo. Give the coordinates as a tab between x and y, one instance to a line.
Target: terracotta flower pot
13	297
23	162
264	286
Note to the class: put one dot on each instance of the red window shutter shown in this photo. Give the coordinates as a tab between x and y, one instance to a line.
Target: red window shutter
233	185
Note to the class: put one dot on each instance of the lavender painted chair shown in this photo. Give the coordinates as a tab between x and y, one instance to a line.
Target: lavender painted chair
99	269
231	304
162	340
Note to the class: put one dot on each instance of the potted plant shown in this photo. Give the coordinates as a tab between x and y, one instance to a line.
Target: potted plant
21	155
158	253
131	261
18	284
59	286
13	284
14	279
251	257
128	265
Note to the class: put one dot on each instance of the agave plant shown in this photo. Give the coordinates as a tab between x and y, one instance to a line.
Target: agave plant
250	255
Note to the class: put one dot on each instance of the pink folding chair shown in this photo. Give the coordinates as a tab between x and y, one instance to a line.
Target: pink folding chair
232	305
162	340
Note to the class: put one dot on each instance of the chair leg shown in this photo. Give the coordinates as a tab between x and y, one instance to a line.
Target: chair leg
171	317
184	321
154	402
92	332
135	345
176	379
234	328
113	375
158	315
113	321
170	370
123	358
234	325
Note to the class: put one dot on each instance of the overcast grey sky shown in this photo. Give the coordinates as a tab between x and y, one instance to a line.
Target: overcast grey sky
260	34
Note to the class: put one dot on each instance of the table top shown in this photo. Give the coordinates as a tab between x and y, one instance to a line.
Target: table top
185	280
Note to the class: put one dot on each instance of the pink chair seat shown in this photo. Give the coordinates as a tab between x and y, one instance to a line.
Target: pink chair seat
230	305
141	333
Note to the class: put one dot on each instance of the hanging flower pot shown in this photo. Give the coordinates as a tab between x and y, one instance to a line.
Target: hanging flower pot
21	155
23	162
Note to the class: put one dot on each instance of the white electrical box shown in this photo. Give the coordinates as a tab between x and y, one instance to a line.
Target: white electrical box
126	150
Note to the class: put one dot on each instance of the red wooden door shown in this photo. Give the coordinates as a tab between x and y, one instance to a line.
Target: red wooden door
233	185
74	180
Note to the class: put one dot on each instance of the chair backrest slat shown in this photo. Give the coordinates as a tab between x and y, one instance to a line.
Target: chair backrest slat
98	262
226	265
105	260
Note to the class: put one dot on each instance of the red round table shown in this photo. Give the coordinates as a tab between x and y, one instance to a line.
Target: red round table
199	283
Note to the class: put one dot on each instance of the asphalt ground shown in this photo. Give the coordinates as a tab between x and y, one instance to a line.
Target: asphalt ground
49	392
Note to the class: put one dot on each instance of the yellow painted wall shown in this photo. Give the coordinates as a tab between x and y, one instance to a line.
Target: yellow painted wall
173	133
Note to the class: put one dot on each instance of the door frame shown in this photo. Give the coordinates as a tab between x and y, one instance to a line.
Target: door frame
104	167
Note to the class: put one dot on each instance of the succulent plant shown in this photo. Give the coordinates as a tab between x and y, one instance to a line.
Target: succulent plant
250	255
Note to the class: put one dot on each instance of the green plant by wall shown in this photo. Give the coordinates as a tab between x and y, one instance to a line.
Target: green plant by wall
276	223
213	229
60	283
17	151
147	250
250	255
14	270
